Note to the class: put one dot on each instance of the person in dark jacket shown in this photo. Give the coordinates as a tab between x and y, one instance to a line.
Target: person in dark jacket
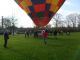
25	34
6	37
55	33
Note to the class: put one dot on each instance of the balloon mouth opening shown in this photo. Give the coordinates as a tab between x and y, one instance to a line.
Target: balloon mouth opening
41	22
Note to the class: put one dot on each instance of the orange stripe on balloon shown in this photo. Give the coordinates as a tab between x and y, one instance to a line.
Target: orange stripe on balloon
48	1
28	2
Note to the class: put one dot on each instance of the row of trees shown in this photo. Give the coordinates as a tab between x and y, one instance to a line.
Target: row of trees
9	23
71	20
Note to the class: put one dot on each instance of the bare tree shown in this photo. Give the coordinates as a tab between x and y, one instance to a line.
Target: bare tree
57	18
72	19
13	22
68	23
6	22
9	22
79	20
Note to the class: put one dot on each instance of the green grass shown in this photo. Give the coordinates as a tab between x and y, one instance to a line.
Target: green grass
20	48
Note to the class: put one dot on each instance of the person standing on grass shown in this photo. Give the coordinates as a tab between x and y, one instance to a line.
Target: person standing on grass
55	33
35	34
25	34
6	37
45	36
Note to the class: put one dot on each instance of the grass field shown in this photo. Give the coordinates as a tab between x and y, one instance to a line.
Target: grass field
20	48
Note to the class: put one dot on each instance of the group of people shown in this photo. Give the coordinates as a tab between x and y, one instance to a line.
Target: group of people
6	36
27	33
44	34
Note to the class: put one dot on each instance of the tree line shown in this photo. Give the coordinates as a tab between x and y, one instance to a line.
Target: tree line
70	22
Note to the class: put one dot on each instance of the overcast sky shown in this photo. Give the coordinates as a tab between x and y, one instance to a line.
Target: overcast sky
9	8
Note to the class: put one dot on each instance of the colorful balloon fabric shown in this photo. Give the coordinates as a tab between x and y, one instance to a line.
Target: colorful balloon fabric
41	11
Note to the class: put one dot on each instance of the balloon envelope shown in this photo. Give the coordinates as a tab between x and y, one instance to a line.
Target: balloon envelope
41	11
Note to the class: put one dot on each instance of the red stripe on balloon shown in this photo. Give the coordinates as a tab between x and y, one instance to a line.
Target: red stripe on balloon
60	3
39	7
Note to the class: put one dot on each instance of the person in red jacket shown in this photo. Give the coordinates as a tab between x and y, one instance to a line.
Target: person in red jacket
45	36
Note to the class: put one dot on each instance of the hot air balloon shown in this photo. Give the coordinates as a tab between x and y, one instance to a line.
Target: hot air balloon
40	11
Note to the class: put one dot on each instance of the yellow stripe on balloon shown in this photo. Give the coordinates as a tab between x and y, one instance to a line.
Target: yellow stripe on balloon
54	8
55	2
23	3
25	7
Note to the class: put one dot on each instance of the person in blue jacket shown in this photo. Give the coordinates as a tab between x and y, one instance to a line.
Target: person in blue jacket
6	37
